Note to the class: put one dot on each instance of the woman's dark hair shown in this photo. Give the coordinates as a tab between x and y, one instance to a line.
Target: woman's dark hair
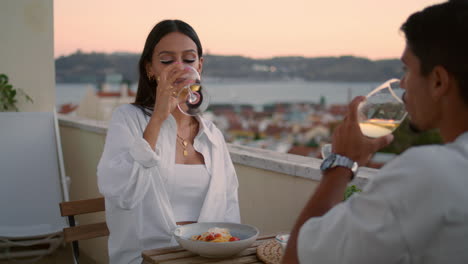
437	36
146	93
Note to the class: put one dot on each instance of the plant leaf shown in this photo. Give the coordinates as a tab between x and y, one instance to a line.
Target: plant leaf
9	95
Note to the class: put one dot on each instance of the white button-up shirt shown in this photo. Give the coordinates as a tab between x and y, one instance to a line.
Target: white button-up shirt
415	210
136	181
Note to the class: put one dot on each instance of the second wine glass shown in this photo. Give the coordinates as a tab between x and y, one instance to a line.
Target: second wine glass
193	98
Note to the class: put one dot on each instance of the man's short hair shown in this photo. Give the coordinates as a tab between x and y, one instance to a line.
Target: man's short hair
438	36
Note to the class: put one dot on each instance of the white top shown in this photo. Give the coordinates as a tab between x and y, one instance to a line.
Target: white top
135	181
415	210
190	186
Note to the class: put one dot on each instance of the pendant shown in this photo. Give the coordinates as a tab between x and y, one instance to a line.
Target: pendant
185	152
185	143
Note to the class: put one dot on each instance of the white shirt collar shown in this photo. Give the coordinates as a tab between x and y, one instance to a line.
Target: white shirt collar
205	128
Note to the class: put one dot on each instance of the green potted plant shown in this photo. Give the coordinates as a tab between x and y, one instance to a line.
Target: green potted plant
350	190
9	95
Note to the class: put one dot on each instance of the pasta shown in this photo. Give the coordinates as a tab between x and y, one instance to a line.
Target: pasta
215	234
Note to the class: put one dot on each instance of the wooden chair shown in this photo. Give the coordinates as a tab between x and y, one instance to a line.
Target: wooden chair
84	231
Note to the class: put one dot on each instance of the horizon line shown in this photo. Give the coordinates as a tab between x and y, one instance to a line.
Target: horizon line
236	55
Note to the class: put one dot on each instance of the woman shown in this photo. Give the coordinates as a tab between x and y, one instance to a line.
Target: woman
161	168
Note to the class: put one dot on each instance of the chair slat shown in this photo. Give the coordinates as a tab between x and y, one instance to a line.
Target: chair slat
82	206
86	231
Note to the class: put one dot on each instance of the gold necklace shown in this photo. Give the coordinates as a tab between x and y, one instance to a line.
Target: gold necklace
184	142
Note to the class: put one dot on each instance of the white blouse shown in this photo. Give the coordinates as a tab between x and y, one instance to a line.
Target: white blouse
136	182
190	184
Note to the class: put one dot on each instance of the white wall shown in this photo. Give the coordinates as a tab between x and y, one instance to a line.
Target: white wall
27	50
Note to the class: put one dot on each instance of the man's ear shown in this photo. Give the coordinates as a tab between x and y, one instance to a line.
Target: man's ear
440	82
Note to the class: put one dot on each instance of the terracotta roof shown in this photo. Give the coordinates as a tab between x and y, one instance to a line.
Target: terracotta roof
302	150
114	94
274	130
67	108
338	109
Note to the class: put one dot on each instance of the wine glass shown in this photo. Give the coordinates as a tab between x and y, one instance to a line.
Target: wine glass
381	113
383	110
193	98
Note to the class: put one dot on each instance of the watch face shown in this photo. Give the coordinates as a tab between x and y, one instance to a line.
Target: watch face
328	162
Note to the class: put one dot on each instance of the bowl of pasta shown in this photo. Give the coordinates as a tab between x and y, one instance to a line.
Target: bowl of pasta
216	239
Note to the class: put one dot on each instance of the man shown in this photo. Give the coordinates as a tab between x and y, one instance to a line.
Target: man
415	210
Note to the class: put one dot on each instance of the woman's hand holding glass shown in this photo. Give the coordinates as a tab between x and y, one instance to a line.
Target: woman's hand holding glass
168	89
193	98
180	86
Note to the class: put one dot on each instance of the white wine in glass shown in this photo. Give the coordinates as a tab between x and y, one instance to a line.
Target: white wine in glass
375	128
383	110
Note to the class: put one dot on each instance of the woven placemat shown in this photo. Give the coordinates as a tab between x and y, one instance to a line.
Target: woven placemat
270	252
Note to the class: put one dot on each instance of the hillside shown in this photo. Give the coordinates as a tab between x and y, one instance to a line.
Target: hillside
82	67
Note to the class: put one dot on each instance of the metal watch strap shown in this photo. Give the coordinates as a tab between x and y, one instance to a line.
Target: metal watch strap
343	161
340	161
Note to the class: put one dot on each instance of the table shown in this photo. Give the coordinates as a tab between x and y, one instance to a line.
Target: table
178	255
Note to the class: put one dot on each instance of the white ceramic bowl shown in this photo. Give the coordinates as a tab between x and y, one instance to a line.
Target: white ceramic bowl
246	233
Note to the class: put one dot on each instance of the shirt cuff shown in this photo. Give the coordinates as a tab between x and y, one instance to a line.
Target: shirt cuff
142	153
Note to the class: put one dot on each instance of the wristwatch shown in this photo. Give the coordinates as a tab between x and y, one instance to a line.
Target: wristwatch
335	160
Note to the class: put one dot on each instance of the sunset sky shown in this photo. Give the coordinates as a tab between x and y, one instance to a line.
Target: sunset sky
252	28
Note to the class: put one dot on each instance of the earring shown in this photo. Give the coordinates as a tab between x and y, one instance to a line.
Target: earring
150	76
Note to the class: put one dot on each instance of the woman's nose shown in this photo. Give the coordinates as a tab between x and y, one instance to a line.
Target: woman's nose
179	60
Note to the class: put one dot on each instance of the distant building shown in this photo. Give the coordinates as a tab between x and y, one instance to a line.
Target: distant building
100	105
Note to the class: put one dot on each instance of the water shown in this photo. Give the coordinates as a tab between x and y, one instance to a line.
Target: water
257	93
254	93
69	93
